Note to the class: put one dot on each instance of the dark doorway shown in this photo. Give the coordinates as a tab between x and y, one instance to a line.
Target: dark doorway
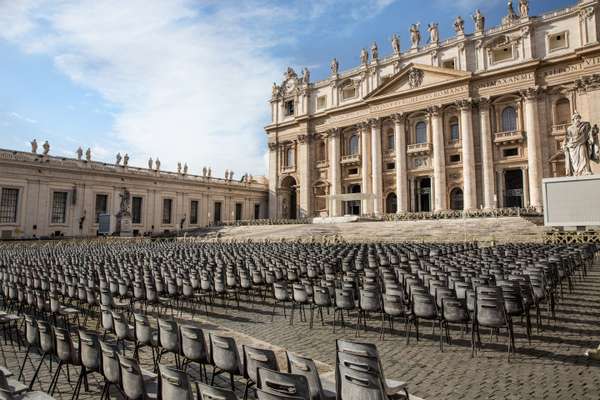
391	203
353	206
513	188
456	199
238	211
424	195
217	216
289	207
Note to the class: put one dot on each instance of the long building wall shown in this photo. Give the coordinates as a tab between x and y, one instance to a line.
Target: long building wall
41	181
475	121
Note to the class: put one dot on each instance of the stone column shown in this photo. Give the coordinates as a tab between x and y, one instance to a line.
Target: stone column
468	154
304	167
487	154
377	179
401	163
334	170
439	159
365	168
526	200
534	150
412	194
273	179
500	188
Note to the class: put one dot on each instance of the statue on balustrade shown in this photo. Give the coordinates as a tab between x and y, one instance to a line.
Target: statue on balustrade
150	163
34	146
119	158
459	25
479	20
126	160
524	8
374	51
185	169
396	44
179	167
415	35
88	154
46	147
434	33
581	146
364	56
335	66
157	164
305	76
79	153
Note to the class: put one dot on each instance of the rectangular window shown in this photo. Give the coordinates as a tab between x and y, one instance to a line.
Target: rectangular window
238	211
348	92
289	108
391	142
194	212
512	152
217	216
390	166
454	158
136	210
167	211
321	102
8	206
257	211
353	171
558	41
59	208
101	205
450	64
502	54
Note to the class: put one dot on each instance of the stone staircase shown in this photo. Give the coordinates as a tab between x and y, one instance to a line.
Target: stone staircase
485	230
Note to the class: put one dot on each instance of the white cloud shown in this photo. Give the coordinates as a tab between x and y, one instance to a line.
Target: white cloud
190	80
20	117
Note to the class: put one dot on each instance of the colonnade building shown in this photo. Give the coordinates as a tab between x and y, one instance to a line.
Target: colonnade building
475	121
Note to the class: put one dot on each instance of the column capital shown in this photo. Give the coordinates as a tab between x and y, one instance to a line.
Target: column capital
304	138
434	111
484	102
531	93
333	132
375	122
398	117
273	146
362	126
465	104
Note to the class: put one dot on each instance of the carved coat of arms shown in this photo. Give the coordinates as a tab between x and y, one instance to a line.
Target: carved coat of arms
415	78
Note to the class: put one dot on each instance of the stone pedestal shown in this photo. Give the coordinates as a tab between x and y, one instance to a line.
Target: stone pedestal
124	226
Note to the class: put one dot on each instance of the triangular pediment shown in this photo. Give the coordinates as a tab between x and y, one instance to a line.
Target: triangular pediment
415	77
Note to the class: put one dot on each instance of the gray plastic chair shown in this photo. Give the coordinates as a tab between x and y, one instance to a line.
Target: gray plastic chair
358	385
305	366
32	337
133	384
281	383
66	352
206	392
168	339
145	336
174	384
90	357
255	358
110	368
193	348
262	395
226	357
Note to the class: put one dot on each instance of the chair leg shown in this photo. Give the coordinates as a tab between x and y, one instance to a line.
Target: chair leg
37	370
24	361
54	380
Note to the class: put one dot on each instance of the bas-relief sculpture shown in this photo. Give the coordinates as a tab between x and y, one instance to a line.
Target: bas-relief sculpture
581	146
415	35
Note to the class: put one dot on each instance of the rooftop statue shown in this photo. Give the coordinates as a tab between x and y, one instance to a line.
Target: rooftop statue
581	146
185	169
157	164
203	171
126	160
415	35
79	153
150	163
179	167
88	154
305	76
46	147
364	56
335	66
119	158
459	25
434	33
479	20
374	51
524	8
34	146
396	44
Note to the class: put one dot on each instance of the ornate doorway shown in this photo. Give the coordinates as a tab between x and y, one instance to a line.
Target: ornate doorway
513	188
289	200
353	206
391	203
423	200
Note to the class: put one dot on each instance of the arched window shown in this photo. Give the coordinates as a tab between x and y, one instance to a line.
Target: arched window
353	145
456	199
421	132
563	112
391	203
289	157
454	132
509	119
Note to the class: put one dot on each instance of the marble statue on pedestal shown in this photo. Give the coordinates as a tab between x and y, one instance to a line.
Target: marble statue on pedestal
185	169
126	160
374	51
434	33
396	44
34	146
459	26
88	154
335	66
479	20
79	153
364	56
119	158
305	76
46	147
415	35
524	8
157	164
581	146
124	227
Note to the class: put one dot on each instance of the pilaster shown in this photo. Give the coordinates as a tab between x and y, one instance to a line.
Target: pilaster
376	160
468	154
401	162
439	159
534	151
487	154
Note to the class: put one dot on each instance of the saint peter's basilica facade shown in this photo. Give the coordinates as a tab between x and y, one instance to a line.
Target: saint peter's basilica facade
474	121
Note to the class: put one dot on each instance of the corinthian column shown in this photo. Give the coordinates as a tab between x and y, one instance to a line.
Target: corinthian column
439	159
273	179
365	169
304	167
468	154
334	170
534	151
401	168
487	154
377	179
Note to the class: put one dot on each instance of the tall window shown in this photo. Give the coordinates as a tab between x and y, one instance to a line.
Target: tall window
509	119
9	201
391	140
136	210
289	157
101	205
454	133
353	145
194	212
563	112
421	132
257	211
289	108
167	211
321	151
59	208
238	211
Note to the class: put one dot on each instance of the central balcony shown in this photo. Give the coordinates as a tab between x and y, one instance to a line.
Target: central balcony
560	129
508	137
419	149
351	159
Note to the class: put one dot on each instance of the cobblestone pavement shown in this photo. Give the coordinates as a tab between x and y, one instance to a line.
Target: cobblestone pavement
552	367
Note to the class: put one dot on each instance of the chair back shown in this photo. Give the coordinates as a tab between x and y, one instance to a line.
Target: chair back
89	349
283	383
306	367
168	335
174	384
132	380
225	355
110	363
207	392
255	358
359	385
193	345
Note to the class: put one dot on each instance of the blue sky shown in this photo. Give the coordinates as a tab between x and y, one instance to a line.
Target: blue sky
185	80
